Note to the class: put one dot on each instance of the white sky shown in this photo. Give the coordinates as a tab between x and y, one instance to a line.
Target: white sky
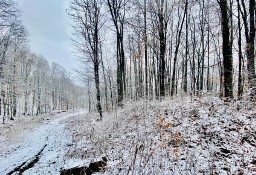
49	30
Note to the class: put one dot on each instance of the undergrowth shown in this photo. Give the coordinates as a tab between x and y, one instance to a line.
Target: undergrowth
202	136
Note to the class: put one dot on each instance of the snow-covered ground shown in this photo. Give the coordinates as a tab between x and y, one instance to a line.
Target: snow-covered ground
179	137
41	149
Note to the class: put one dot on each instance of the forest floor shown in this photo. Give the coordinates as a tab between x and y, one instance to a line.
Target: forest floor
173	137
181	136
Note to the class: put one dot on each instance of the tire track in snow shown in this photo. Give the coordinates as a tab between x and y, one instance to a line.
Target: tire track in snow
52	136
27	164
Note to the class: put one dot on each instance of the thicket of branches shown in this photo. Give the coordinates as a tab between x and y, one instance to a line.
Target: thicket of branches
162	48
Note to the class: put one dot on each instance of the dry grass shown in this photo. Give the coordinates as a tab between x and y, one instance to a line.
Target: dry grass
168	137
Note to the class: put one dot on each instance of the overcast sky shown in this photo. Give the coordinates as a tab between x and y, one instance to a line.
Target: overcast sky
49	30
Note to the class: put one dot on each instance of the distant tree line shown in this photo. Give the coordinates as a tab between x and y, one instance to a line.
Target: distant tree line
29	85
152	49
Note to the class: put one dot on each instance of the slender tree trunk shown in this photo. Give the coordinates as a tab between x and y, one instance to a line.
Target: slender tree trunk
111	92
193	64
240	85
38	110
97	84
185	79
97	60
173	88
201	77
89	96
146	48
208	49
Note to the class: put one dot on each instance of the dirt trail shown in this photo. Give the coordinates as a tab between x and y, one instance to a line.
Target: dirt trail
41	152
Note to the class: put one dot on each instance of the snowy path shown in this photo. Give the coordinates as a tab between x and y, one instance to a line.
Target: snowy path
42	151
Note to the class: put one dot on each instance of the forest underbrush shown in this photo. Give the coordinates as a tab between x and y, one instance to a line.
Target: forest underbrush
182	136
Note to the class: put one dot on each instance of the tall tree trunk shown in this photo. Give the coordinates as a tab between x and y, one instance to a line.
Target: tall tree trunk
251	48
226	50
146	48
201	77
240	54
97	59
249	36
162	40
179	29
117	10
208	49
193	64
185	78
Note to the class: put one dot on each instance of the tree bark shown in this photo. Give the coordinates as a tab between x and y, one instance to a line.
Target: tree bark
240	54
226	50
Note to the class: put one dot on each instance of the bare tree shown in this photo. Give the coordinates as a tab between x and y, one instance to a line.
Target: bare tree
178	40
88	19
117	9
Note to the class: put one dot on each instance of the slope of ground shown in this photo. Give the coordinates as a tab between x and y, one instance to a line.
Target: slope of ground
199	136
181	136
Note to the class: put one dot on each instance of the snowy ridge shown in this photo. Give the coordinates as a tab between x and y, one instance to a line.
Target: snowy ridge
202	136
